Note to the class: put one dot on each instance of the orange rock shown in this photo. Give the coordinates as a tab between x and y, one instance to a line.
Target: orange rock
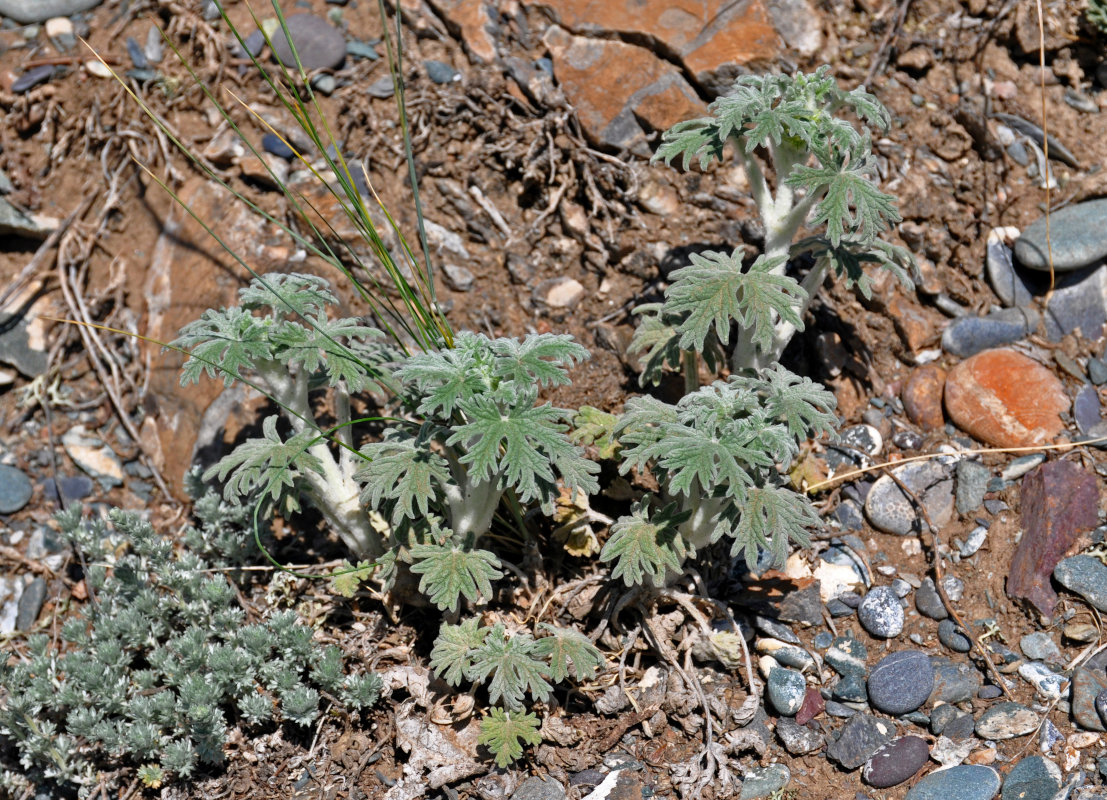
1006	399
922	397
477	23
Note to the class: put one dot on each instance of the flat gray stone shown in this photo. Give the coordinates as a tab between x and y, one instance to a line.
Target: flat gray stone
859	739
764	782
1086	576
1038	646
972	485
535	788
1079	302
1078	235
891	511
954	682
968	336
1033	778
951	635
30	604
929	602
798	739
1006	721
14	222
900	682
896	761
1087	685
16	350
1011	287
881	613
15	489
41	10
319	44
964	782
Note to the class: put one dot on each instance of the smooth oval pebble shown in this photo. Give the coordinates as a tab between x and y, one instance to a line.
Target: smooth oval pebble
900	682
319	44
968	336
896	761
1006	721
30	604
271	143
951	635
1078	235
762	782
890	510
15	489
26	11
929	602
880	613
964	782
440	72
787	689
32	78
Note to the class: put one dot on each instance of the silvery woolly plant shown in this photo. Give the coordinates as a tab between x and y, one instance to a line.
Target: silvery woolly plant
716	453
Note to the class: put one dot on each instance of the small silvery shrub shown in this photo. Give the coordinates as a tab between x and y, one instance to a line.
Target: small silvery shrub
718	453
154	671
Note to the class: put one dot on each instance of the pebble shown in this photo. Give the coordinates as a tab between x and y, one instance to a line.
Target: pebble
73	488
1079	301
900	682
1086	576
928	602
1082	632
154	48
1087	685
854	444
30	604
1006	721
535	788
891	511
1021	465
847	656
29	11
859	739
922	397
32	78
836	709
1049	738
59	30
798	739
851	689
941	716
93	456
964	782
562	292
324	84
849	517
136	54
908	440
951	635
896	761
972	484
440	72
1097	371
763	782
1006	399
970	335
1011	287
1086	408
1038	646
1080	101
881	614
273	144
786	689
1044	680
319	44
1078	237
458	278
954	682
975	540
989	692
15	489
362	50
1033	778
382	88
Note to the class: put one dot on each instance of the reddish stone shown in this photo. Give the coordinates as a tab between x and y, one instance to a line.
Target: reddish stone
922	397
613	85
915	327
1059	501
1006	399
813	705
476	24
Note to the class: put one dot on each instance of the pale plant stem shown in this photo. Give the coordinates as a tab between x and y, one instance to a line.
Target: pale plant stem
471	503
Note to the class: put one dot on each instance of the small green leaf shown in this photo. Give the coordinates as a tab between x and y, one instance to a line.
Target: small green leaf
224	344
450	572
597	428
770	516
852	204
451	658
347	578
564	646
269	463
405	470
537	359
505	733
645	545
514	665
306	296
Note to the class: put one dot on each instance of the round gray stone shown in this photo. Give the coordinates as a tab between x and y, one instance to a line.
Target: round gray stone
900	682
798	739
1006	721
1011	287
1078	235
891	511
764	782
41	10
440	72
535	788
880	613
319	44
1038	646
15	489
968	336
786	691
896	761
964	782
951	635
953	682
928	601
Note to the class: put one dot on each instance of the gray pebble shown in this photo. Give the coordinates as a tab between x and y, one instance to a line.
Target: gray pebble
954	586
1049	738
951	635
928	602
1080	101
859	739
1033	778
1079	301
319	44
954	682
964	782
41	10
959	728
836	709
975	540
1006	721
908	440
362	50
271	143
1021	465
891	511
535	788
1097	371
968	336
1044	680
847	656
15	489
1038	646
440	72
786	689
837	609
850	689
941	716
972	484
1086	576
762	782
881	614
1086	409
324	84
1087	686
154	49
32	78
798	739
460	279
900	682
896	761
137	54
1010	286
382	88
30	604
989	692
1100	705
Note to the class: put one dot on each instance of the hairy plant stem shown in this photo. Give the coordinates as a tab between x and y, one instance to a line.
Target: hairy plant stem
471	503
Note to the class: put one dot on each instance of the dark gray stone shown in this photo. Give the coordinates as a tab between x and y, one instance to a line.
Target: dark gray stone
1038	646
1086	576
72	488
953	682
908	440
762	782
961	727
1044	680
1010	287
535	788
1078	237
1086	409
804	605
951	635
837	609
836	709
770	627
1078	302
271	143
896	761
941	716
849	516
14	222
786	689
382	88
928	602
1006	721
970	335
460	279
15	489
1097	371
881	614
1033	778
319	44
30	604
900	682
798	739
851	689
862	736
964	782
847	656
1087	686
440	72
136	54
972	484
362	50
989	692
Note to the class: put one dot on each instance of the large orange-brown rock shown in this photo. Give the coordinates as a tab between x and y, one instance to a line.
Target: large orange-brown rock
616	87
1006	399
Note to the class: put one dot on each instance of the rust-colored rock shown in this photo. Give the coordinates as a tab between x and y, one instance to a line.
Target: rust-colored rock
1059	501
1006	399
922	397
915	327
477	24
615	87
813	705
